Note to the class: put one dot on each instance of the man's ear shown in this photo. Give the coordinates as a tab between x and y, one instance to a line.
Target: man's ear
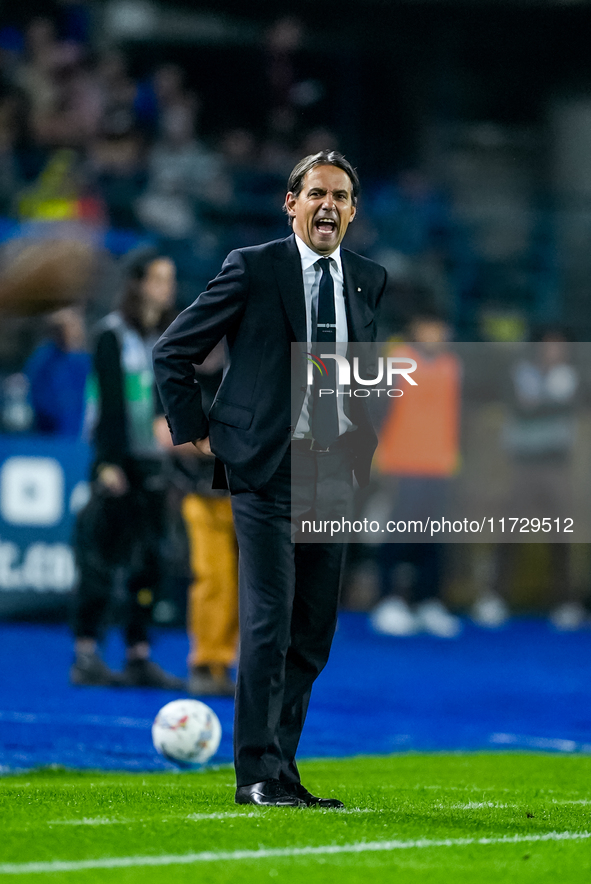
353	213
290	201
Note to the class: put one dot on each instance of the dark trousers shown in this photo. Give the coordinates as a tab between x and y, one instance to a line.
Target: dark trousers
119	535
288	608
427	559
415	497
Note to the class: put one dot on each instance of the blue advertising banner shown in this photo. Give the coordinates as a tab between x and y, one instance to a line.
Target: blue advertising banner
43	484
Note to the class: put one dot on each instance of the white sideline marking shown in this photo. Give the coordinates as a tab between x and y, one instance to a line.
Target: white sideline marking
478	789
571	801
475	805
195	817
123	821
124	862
86	821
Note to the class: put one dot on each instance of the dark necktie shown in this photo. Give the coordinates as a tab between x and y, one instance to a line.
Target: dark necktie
325	419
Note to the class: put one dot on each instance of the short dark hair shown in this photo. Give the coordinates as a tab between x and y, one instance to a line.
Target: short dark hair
295	182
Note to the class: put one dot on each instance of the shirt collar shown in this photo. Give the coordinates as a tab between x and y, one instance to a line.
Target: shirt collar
309	257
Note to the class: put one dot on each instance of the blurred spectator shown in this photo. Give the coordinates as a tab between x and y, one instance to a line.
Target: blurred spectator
256	178
71	118
36	69
417	456
122	525
118	171
173	99
284	40
182	177
213	595
116	156
62	92
414	226
57	371
539	436
118	97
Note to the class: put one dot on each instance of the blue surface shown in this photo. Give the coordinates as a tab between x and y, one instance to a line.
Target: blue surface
524	686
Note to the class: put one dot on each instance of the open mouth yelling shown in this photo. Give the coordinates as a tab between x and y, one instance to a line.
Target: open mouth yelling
326	227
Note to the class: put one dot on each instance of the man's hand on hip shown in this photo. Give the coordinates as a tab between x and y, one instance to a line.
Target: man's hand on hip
203	447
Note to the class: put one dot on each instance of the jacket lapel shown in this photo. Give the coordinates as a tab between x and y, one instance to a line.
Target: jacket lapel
288	272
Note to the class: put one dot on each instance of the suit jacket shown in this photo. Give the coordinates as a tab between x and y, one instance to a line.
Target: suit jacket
257	302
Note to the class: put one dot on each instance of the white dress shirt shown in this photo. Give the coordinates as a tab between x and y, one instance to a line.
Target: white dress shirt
312	276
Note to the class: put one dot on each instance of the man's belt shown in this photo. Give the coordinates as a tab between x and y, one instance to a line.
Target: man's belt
302	445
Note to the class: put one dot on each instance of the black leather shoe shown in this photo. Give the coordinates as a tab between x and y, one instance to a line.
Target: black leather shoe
268	793
298	791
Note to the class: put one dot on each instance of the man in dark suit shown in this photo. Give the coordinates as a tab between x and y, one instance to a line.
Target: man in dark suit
300	289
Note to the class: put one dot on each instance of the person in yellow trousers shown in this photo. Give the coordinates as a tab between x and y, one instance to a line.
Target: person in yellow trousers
212	621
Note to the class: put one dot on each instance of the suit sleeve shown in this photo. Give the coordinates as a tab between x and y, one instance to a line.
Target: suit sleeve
189	340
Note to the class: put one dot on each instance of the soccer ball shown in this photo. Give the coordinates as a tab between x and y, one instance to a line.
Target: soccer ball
187	732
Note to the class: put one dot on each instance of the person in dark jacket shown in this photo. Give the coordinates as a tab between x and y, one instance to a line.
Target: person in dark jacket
119	530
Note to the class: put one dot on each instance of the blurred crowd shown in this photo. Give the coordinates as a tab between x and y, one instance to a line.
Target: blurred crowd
83	139
87	147
496	431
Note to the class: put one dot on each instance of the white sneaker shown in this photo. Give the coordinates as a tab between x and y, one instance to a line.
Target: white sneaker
568	616
393	617
490	611
434	618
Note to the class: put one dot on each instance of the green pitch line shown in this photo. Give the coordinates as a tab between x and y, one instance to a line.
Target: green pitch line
410	818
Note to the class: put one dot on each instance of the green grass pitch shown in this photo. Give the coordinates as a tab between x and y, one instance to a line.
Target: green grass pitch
440	818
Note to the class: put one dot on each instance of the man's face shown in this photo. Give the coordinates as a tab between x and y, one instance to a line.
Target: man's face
323	209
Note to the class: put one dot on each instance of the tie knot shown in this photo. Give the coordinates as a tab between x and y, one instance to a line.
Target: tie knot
324	264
